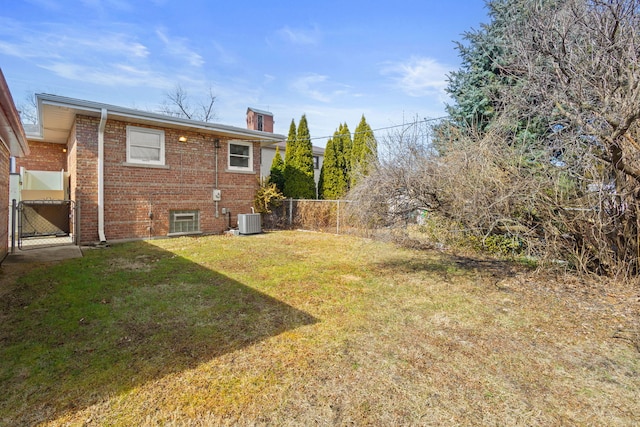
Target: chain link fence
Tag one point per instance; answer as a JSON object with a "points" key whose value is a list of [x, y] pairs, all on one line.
{"points": [[412, 229], [42, 223], [329, 216]]}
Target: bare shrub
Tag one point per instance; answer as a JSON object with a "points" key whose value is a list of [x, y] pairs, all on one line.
{"points": [[577, 61], [508, 199], [315, 215], [569, 196]]}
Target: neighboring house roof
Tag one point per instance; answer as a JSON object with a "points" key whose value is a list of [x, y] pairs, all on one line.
{"points": [[255, 110], [11, 130], [318, 151], [57, 115]]}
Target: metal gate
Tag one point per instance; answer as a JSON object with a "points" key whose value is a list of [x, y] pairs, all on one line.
{"points": [[45, 223]]}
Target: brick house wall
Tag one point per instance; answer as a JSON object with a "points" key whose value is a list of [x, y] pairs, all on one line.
{"points": [[83, 185], [43, 157], [4, 200], [138, 199], [13, 142]]}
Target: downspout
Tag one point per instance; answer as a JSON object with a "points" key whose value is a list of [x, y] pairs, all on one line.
{"points": [[217, 147], [103, 123]]}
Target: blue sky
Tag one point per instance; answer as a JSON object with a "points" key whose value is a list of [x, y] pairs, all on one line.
{"points": [[331, 60]]}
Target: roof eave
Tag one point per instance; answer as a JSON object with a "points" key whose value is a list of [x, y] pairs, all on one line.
{"points": [[11, 130], [129, 114]]}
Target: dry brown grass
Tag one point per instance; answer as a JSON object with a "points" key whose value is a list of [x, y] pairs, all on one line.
{"points": [[400, 337]]}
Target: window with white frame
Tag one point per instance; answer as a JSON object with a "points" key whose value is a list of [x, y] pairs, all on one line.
{"points": [[184, 222], [240, 156], [145, 146]]}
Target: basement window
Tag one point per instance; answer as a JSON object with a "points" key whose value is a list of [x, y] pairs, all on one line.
{"points": [[145, 146], [184, 222], [240, 156]]}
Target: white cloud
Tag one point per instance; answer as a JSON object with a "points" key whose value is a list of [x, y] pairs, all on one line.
{"points": [[223, 55], [113, 75], [318, 87], [56, 41], [300, 36], [418, 76], [116, 44], [178, 48], [10, 49], [308, 86]]}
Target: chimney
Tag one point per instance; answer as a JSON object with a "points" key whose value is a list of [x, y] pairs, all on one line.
{"points": [[259, 120]]}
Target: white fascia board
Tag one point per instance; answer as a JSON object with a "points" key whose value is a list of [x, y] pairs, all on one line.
{"points": [[132, 114]]}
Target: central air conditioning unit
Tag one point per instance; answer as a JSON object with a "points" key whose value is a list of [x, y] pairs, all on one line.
{"points": [[249, 223]]}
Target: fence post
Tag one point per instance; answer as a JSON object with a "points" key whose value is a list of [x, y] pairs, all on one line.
{"points": [[14, 209], [290, 211], [338, 218], [76, 222]]}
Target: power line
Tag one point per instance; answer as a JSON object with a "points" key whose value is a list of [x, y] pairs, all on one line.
{"points": [[414, 123], [425, 120]]}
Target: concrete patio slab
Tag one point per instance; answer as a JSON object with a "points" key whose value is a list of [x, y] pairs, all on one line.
{"points": [[37, 255]]}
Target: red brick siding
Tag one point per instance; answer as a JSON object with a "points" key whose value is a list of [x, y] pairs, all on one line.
{"points": [[43, 156], [4, 200], [138, 199], [85, 187]]}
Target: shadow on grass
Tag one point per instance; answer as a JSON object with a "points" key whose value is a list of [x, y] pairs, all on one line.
{"points": [[81, 331], [446, 265]]}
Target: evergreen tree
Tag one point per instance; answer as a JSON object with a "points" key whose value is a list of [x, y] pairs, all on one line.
{"points": [[333, 183], [364, 151], [347, 148], [473, 88], [484, 87], [291, 144], [304, 149], [299, 180], [289, 169], [276, 175], [304, 159]]}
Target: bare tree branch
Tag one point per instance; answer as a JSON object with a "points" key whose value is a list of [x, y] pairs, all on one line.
{"points": [[28, 109], [177, 104]]}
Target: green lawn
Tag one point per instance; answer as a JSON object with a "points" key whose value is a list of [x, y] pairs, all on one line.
{"points": [[300, 328]]}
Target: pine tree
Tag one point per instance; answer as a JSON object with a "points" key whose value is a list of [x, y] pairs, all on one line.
{"points": [[333, 184], [299, 181], [276, 175], [289, 154], [365, 151], [482, 87], [347, 148], [304, 149], [474, 87], [291, 144], [304, 159]]}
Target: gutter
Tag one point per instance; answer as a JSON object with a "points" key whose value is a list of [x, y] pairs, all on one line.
{"points": [[103, 123], [265, 138]]}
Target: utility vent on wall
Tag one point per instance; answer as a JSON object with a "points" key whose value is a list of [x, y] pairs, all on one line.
{"points": [[249, 223]]}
